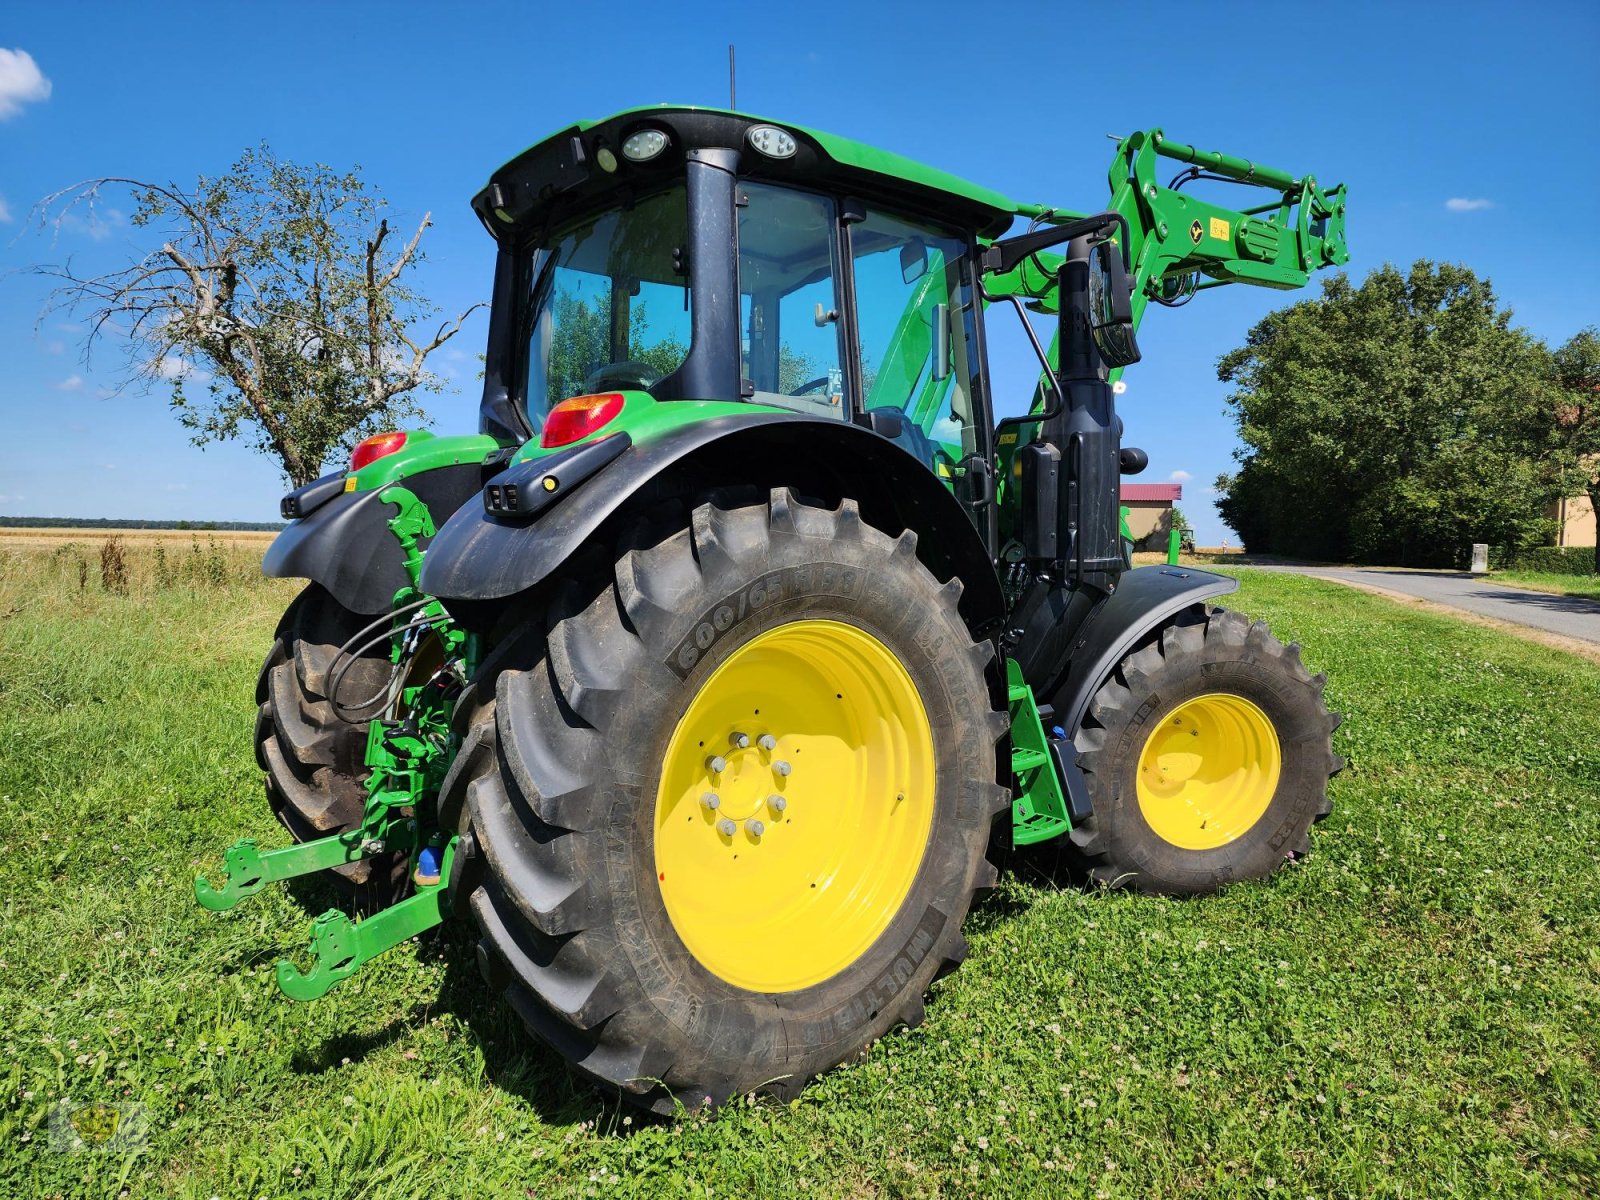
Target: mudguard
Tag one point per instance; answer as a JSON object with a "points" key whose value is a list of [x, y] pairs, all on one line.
{"points": [[1145, 597], [345, 545], [478, 557]]}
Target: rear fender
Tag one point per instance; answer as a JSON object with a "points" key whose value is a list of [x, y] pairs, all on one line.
{"points": [[479, 559], [1146, 597], [345, 544]]}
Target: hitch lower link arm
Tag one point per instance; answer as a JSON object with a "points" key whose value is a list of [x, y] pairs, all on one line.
{"points": [[339, 946]]}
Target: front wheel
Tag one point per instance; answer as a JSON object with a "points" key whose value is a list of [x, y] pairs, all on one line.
{"points": [[1207, 755], [732, 802]]}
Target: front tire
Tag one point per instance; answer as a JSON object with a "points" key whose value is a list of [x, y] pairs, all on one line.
{"points": [[1207, 755], [678, 951]]}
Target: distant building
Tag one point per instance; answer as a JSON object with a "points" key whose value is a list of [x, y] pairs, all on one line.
{"points": [[1149, 508], [1574, 521]]}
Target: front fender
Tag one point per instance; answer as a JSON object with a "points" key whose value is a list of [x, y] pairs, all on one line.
{"points": [[478, 557], [1145, 598]]}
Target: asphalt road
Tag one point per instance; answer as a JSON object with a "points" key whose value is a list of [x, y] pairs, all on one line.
{"points": [[1569, 616]]}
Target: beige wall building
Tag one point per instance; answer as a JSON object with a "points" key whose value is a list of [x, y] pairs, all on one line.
{"points": [[1575, 521], [1149, 508]]}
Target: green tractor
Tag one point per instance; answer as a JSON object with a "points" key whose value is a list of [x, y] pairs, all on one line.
{"points": [[707, 675]]}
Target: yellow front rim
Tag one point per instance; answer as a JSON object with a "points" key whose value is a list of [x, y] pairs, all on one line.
{"points": [[794, 806], [1208, 771]]}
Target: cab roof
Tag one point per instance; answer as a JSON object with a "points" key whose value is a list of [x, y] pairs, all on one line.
{"points": [[565, 170]]}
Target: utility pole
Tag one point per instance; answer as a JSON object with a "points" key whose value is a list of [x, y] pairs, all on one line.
{"points": [[733, 100]]}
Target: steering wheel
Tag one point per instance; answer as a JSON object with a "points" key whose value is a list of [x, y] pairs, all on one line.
{"points": [[821, 381], [628, 374]]}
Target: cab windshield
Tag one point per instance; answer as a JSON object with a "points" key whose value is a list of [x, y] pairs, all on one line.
{"points": [[608, 303]]}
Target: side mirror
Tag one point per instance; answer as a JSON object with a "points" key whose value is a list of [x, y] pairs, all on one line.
{"points": [[1111, 307], [913, 260]]}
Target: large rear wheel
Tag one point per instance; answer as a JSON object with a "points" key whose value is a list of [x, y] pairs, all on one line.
{"points": [[315, 759], [731, 802], [1207, 756]]}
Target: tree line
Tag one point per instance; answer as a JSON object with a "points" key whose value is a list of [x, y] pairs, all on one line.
{"points": [[1404, 419]]}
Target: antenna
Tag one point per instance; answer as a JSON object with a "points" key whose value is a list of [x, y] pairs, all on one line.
{"points": [[733, 101]]}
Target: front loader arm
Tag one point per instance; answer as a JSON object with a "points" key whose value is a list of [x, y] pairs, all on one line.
{"points": [[1178, 238], [1180, 243]]}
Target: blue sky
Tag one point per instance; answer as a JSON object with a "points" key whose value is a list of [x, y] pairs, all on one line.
{"points": [[1467, 132]]}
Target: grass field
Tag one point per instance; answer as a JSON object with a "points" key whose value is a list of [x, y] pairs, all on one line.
{"points": [[1413, 1011], [1548, 581]]}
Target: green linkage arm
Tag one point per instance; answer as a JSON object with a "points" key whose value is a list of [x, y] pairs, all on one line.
{"points": [[1175, 236]]}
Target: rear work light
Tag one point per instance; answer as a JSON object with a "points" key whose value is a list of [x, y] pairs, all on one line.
{"points": [[379, 445], [578, 418]]}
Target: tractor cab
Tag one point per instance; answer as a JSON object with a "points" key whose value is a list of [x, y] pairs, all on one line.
{"points": [[700, 255]]}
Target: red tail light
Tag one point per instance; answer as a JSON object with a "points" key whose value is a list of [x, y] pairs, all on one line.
{"points": [[578, 418], [379, 445]]}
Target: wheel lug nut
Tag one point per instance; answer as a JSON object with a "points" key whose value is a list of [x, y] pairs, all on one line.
{"points": [[767, 742], [777, 803], [740, 740], [726, 827], [781, 767], [710, 801], [754, 827], [716, 764]]}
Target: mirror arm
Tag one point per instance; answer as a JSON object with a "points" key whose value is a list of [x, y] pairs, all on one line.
{"points": [[1003, 256]]}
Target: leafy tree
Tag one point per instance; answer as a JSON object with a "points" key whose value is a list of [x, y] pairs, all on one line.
{"points": [[795, 369], [1574, 432], [580, 342], [1387, 422], [279, 291]]}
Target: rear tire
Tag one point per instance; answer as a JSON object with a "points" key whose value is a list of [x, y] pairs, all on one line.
{"points": [[315, 760], [576, 795], [1207, 755]]}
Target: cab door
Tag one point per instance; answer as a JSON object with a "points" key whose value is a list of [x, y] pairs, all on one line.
{"points": [[917, 339]]}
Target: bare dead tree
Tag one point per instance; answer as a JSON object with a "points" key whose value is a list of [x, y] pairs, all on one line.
{"points": [[278, 289]]}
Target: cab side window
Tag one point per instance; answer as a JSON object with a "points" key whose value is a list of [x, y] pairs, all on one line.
{"points": [[790, 345], [917, 327]]}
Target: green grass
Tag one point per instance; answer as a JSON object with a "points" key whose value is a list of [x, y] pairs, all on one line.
{"points": [[1549, 581], [1415, 1010]]}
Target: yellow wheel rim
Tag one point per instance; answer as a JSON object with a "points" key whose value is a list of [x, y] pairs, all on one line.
{"points": [[815, 749], [1208, 771]]}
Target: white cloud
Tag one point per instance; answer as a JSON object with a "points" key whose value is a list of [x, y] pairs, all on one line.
{"points": [[1180, 477], [70, 384], [21, 82], [55, 347], [97, 225], [173, 367], [5, 212], [1463, 204]]}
